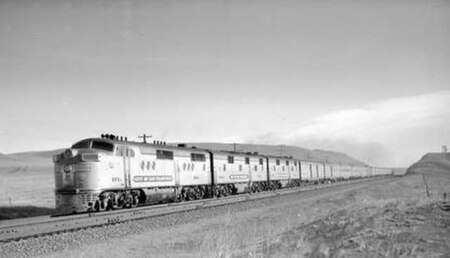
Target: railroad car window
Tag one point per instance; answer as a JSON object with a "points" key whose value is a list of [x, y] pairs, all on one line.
{"points": [[193, 166], [230, 159], [261, 161], [295, 163], [81, 145], [282, 168], [142, 165], [278, 162], [247, 160], [153, 165], [102, 146], [224, 167], [204, 167], [162, 154], [148, 165], [198, 157], [240, 167], [256, 167], [287, 162]]}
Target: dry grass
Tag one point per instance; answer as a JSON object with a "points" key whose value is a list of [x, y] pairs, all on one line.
{"points": [[380, 221], [24, 186]]}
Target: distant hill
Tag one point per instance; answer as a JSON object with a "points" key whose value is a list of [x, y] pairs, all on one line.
{"points": [[432, 163], [23, 161], [35, 154], [285, 150]]}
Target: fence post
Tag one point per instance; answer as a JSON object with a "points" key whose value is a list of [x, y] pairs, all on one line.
{"points": [[426, 186]]}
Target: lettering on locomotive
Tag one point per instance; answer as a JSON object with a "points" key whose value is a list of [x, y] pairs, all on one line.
{"points": [[238, 176], [152, 178]]}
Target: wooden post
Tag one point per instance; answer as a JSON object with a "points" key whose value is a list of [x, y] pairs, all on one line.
{"points": [[426, 186]]}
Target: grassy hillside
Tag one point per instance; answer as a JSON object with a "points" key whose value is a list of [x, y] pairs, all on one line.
{"points": [[432, 163]]}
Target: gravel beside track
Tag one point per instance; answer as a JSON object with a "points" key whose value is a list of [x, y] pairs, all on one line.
{"points": [[46, 244]]}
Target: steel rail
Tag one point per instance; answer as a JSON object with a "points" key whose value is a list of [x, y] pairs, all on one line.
{"points": [[16, 229]]}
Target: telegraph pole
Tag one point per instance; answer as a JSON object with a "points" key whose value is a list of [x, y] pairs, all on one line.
{"points": [[144, 137]]}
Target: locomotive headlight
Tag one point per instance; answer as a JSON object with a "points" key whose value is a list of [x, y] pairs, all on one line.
{"points": [[68, 168]]}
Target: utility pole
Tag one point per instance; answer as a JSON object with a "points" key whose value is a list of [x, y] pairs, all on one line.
{"points": [[144, 137]]}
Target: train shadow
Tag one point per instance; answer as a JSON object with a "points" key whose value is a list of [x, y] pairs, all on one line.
{"points": [[16, 212]]}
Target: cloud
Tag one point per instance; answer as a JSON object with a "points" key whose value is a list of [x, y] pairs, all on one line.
{"points": [[392, 132]]}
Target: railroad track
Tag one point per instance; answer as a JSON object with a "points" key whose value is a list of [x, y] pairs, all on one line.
{"points": [[13, 230]]}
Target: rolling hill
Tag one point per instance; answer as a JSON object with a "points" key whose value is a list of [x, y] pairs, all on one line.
{"points": [[284, 150], [432, 163]]}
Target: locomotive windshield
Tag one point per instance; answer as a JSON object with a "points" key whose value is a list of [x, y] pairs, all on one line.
{"points": [[106, 146], [82, 145], [99, 145]]}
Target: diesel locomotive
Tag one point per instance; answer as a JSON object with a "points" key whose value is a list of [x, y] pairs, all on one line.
{"points": [[111, 172]]}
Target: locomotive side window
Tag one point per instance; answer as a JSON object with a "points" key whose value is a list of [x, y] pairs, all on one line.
{"points": [[261, 161], [82, 145], [198, 157], [247, 160], [162, 154], [287, 162], [278, 162], [230, 159], [99, 145]]}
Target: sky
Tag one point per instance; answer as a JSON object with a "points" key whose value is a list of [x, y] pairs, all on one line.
{"points": [[369, 78]]}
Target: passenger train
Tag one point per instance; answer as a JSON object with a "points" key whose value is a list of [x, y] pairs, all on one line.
{"points": [[110, 172]]}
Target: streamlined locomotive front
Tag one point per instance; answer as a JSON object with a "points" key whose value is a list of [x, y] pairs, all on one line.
{"points": [[80, 175]]}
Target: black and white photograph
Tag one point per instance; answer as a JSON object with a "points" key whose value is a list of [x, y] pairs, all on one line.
{"points": [[224, 128]]}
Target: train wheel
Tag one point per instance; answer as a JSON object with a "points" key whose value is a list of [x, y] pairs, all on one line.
{"points": [[135, 201]]}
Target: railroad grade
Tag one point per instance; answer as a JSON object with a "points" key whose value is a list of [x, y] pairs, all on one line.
{"points": [[14, 230]]}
